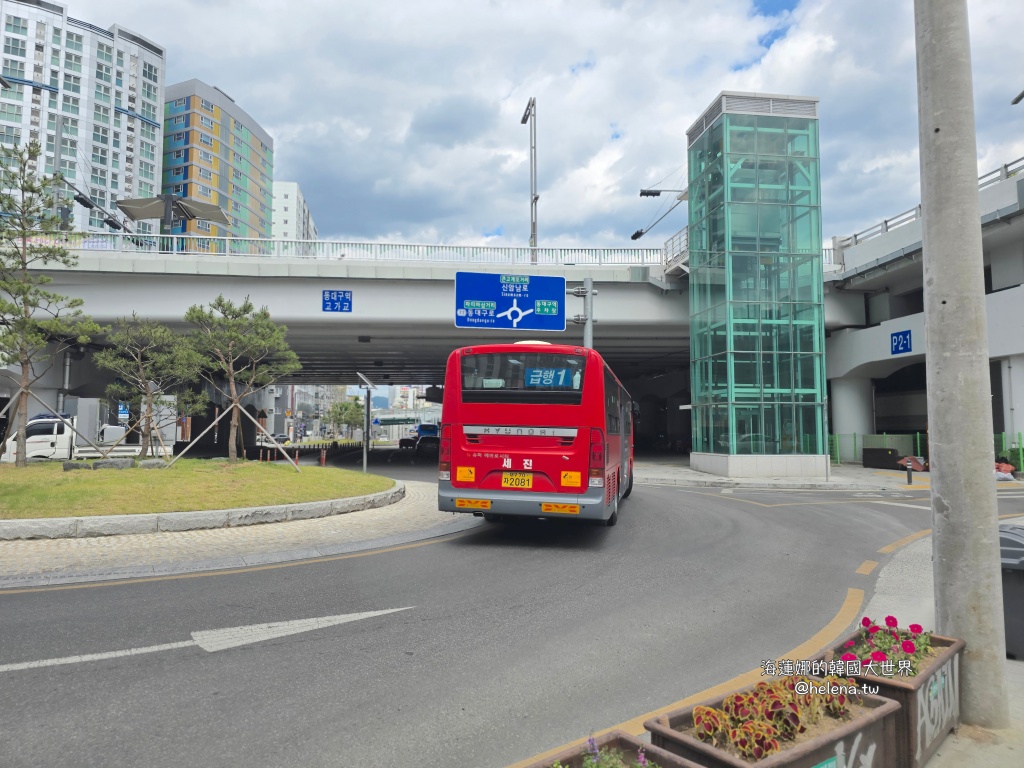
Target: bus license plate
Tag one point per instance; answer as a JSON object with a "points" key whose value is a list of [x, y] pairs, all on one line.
{"points": [[516, 480]]}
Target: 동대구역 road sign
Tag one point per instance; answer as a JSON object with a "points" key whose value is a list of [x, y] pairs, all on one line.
{"points": [[509, 302]]}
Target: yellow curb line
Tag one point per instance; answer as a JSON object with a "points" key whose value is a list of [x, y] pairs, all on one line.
{"points": [[847, 614], [867, 567], [889, 549]]}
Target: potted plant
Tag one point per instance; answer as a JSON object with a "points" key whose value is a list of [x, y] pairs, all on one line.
{"points": [[793, 721], [615, 749], [918, 669]]}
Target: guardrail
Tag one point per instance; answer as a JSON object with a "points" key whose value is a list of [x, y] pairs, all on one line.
{"points": [[676, 250], [992, 177], [191, 245]]}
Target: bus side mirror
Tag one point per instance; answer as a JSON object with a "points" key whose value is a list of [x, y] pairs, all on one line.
{"points": [[636, 413], [434, 395]]}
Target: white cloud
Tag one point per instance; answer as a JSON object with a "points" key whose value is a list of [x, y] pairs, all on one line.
{"points": [[401, 120]]}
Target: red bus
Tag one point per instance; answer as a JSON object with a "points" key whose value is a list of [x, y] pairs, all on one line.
{"points": [[534, 429]]}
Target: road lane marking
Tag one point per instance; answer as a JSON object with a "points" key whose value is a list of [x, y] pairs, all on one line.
{"points": [[213, 640], [847, 614], [867, 567], [901, 504]]}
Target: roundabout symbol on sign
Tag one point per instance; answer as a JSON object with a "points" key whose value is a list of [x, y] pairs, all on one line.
{"points": [[515, 314]]}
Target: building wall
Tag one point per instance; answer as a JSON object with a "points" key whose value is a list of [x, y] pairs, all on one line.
{"points": [[100, 89], [216, 153], [291, 215]]}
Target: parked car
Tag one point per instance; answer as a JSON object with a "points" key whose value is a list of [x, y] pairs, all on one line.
{"points": [[281, 438]]}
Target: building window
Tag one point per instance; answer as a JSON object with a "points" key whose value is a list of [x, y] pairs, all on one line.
{"points": [[73, 41], [105, 52], [204, 191], [100, 134], [70, 105], [99, 156], [145, 189], [178, 189], [206, 122], [10, 112], [149, 91], [147, 150], [72, 83], [103, 93], [204, 139], [14, 68], [236, 174], [147, 131], [179, 120], [70, 125], [207, 105], [16, 92], [99, 176], [120, 58], [148, 110], [147, 170], [202, 226], [14, 47], [67, 169], [150, 72], [104, 73], [178, 154], [73, 62], [179, 136], [206, 174], [17, 25], [181, 102], [101, 114], [205, 156], [10, 135]]}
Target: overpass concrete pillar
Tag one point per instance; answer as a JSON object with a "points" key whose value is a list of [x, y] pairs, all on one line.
{"points": [[852, 406], [1013, 394]]}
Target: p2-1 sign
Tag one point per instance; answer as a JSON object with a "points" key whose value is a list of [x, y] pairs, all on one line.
{"points": [[900, 343]]}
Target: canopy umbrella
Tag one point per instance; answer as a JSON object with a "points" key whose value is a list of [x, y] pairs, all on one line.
{"points": [[167, 208]]}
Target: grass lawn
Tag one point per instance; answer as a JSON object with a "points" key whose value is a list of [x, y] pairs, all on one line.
{"points": [[46, 490]]}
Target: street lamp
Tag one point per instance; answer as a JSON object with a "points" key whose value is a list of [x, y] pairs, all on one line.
{"points": [[531, 115]]}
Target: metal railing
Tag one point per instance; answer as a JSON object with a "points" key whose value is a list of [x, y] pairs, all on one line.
{"points": [[169, 245], [992, 177], [850, 447], [676, 250]]}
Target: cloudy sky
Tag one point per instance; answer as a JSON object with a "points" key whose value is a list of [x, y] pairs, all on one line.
{"points": [[400, 119]]}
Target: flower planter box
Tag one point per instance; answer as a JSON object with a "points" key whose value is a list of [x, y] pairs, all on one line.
{"points": [[929, 701], [866, 741], [622, 741]]}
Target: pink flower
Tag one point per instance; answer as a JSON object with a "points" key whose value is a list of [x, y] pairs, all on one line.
{"points": [[849, 657], [917, 629], [849, 644], [908, 646], [896, 635], [866, 622], [874, 628], [890, 621], [878, 656]]}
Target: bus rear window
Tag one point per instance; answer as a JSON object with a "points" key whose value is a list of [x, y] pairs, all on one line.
{"points": [[523, 377]]}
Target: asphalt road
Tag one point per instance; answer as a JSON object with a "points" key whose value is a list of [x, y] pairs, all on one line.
{"points": [[519, 638]]}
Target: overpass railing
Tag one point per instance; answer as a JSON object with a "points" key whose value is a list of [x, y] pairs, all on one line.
{"points": [[169, 245], [992, 177]]}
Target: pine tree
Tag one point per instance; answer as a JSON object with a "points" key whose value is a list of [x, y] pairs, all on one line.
{"points": [[150, 360], [244, 351], [36, 325]]}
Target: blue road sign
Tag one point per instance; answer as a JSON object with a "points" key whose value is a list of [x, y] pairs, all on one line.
{"points": [[376, 422], [509, 302], [900, 343], [337, 301]]}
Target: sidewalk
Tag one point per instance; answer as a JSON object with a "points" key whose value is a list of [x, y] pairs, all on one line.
{"points": [[905, 590]]}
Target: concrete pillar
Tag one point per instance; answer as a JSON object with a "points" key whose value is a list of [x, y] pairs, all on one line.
{"points": [[1013, 394], [852, 406], [965, 539]]}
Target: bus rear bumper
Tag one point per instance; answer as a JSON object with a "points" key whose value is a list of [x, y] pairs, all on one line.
{"points": [[584, 506]]}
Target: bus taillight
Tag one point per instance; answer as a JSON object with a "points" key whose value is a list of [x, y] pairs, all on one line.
{"points": [[444, 459], [596, 459]]}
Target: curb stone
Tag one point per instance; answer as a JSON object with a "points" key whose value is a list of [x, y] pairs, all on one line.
{"points": [[112, 525]]}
